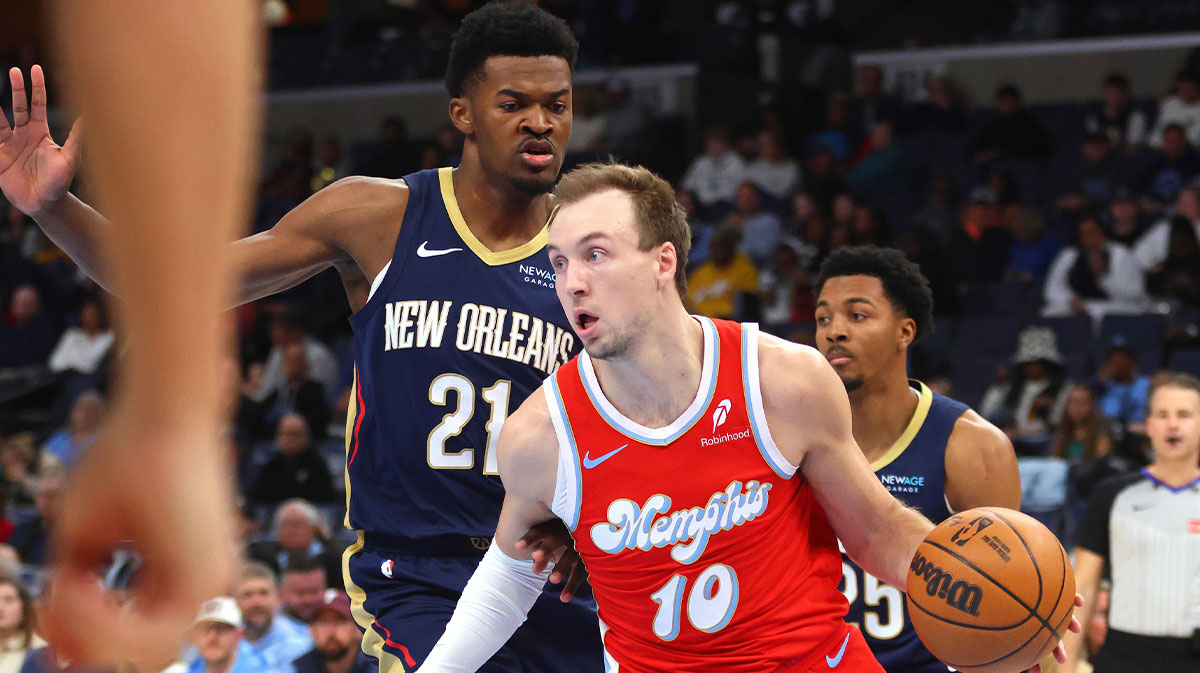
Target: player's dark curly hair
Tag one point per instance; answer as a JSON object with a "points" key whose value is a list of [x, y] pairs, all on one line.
{"points": [[903, 283], [505, 28]]}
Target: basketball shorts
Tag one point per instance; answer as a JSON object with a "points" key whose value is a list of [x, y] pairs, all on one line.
{"points": [[845, 654], [402, 601]]}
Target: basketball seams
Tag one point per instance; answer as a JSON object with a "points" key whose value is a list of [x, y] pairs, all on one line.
{"points": [[1026, 649], [1032, 557], [1032, 611]]}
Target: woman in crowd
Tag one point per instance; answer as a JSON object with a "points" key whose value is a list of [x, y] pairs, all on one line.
{"points": [[16, 625]]}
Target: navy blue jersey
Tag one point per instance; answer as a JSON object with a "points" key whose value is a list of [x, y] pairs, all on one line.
{"points": [[914, 471], [453, 338]]}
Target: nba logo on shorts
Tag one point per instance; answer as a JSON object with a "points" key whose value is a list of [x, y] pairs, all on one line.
{"points": [[386, 568], [720, 413]]}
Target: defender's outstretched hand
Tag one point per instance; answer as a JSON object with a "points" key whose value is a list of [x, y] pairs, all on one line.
{"points": [[35, 172], [551, 542]]}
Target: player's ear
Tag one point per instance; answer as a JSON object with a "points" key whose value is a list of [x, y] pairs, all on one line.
{"points": [[460, 115], [668, 261], [907, 332]]}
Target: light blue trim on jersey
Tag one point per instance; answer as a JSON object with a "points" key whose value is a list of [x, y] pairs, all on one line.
{"points": [[566, 443], [751, 386], [664, 435]]}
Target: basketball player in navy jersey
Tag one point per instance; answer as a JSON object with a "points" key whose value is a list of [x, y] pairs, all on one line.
{"points": [[455, 321], [931, 452]]}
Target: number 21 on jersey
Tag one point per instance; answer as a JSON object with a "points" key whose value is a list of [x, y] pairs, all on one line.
{"points": [[453, 422]]}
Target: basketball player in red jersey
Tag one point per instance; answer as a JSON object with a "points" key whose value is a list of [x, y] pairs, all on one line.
{"points": [[689, 457]]}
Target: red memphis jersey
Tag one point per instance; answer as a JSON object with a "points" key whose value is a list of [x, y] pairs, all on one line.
{"points": [[705, 554]]}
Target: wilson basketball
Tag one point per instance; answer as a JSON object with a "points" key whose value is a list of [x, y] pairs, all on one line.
{"points": [[990, 590]]}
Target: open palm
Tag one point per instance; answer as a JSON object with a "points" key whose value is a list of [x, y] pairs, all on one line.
{"points": [[34, 170]]}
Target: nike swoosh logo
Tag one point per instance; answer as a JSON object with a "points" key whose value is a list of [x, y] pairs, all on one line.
{"points": [[422, 251], [834, 661], [589, 462]]}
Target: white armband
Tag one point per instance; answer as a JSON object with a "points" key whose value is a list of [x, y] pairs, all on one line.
{"points": [[495, 602]]}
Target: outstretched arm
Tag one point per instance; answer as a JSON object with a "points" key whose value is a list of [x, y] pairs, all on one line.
{"points": [[161, 81], [504, 587], [35, 174]]}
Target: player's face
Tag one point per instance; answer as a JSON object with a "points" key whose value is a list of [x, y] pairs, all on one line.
{"points": [[606, 285], [1173, 425], [519, 116], [858, 330]]}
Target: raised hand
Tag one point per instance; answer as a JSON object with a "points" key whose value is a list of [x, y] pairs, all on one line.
{"points": [[35, 172]]}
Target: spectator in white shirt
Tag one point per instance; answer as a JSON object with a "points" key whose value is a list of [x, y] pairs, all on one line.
{"points": [[774, 171], [287, 329], [1183, 108], [715, 175], [82, 348], [1095, 277], [761, 229], [1151, 249]]}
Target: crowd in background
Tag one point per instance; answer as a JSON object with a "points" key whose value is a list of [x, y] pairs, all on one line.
{"points": [[1061, 242]]}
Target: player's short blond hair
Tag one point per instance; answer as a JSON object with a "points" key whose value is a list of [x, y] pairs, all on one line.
{"points": [[659, 218]]}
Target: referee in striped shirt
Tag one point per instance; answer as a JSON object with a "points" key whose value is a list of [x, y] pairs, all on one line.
{"points": [[1146, 527]]}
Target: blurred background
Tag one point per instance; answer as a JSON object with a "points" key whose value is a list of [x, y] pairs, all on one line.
{"points": [[1037, 158]]}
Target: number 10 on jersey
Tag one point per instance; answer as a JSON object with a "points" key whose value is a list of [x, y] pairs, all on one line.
{"points": [[710, 603]]}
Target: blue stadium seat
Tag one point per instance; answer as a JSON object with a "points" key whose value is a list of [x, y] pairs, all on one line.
{"points": [[992, 336], [973, 374], [1186, 360], [998, 300], [1143, 332], [1074, 333]]}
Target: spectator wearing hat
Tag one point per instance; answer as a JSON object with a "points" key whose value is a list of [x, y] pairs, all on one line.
{"points": [[1033, 394], [277, 640], [217, 636], [336, 638], [1122, 392], [1094, 277], [981, 248]]}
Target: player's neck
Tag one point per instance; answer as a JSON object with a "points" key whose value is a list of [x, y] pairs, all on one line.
{"points": [[881, 409], [655, 382], [499, 216], [1175, 473]]}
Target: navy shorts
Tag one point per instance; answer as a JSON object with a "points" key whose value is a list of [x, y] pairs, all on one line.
{"points": [[403, 601]]}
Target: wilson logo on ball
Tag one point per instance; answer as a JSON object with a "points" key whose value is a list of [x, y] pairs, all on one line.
{"points": [[958, 594]]}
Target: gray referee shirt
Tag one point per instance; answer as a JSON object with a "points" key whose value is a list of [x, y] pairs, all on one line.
{"points": [[1150, 535]]}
